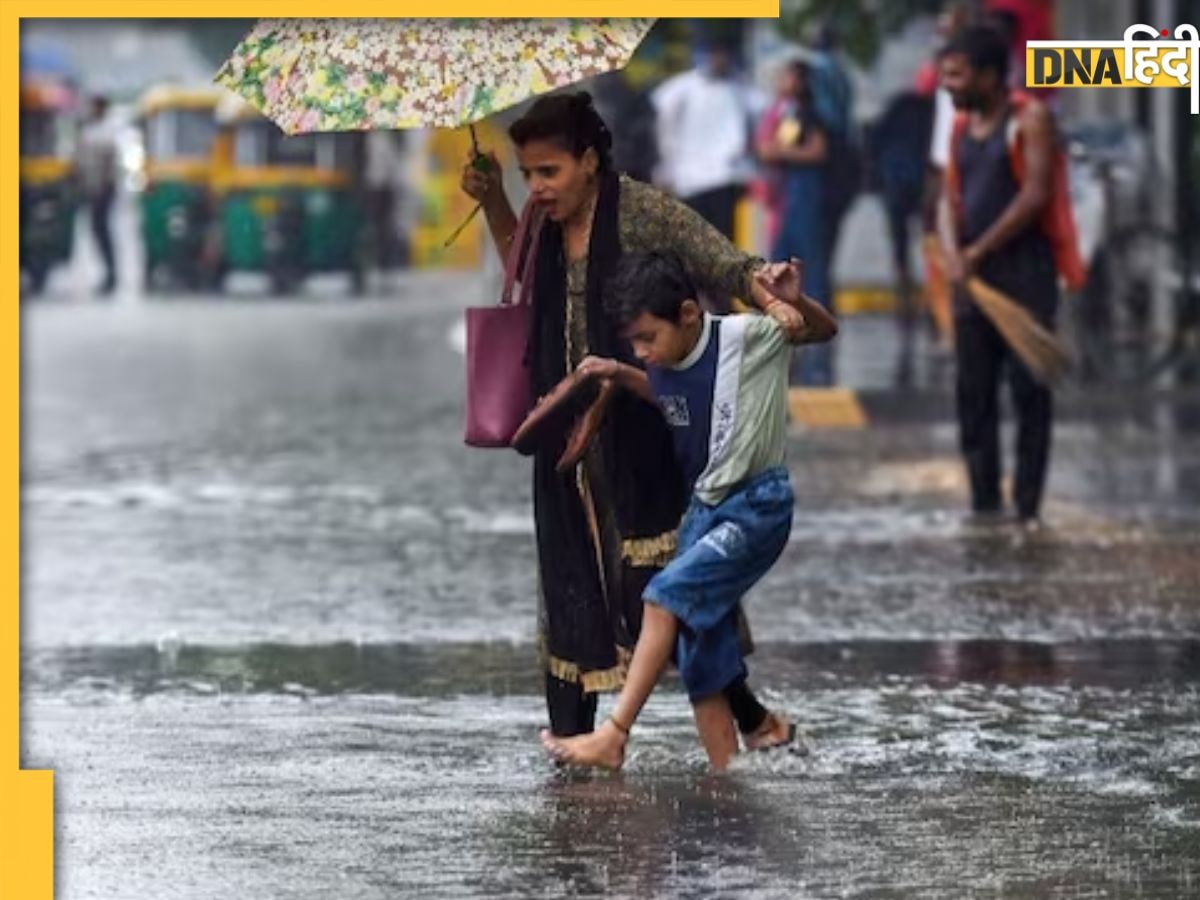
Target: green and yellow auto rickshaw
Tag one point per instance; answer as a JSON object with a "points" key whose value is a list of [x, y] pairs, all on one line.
{"points": [[287, 206], [178, 129], [48, 193]]}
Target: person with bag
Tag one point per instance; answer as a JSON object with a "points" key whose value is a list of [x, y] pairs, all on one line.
{"points": [[605, 526], [1004, 216]]}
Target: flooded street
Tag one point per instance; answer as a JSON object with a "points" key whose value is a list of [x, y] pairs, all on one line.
{"points": [[278, 638]]}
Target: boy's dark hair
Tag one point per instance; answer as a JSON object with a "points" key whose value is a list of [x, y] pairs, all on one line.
{"points": [[569, 120], [654, 283], [984, 47]]}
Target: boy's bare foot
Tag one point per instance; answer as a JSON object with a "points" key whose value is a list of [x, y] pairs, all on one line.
{"points": [[775, 731], [604, 748]]}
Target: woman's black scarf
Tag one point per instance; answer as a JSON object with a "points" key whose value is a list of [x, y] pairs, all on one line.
{"points": [[642, 488]]}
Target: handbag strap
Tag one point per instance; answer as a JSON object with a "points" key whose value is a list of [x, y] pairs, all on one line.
{"points": [[520, 267]]}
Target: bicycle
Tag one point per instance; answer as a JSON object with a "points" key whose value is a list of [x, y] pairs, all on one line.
{"points": [[1137, 322]]}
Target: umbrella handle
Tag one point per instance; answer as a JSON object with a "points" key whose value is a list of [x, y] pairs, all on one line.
{"points": [[454, 235], [479, 162], [482, 164]]}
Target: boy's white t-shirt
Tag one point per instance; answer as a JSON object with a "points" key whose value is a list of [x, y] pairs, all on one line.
{"points": [[726, 403]]}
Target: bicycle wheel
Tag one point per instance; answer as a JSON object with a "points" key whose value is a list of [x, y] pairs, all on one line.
{"points": [[1127, 317]]}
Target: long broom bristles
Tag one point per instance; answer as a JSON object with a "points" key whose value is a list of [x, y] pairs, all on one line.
{"points": [[1041, 351]]}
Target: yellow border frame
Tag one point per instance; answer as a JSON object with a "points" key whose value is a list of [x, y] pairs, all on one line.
{"points": [[27, 797], [222, 9]]}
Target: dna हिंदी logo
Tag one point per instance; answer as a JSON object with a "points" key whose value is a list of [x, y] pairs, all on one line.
{"points": [[1147, 57]]}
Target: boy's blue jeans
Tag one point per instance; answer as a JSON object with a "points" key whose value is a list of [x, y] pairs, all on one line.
{"points": [[723, 551]]}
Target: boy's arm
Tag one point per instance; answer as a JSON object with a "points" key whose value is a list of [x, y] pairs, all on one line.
{"points": [[485, 183], [777, 292], [623, 375]]}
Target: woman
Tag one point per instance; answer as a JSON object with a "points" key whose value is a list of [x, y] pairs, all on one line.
{"points": [[606, 527], [792, 141]]}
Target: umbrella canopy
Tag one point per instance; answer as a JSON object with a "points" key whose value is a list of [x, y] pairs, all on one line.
{"points": [[359, 74]]}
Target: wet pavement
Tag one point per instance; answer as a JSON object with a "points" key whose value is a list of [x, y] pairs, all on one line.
{"points": [[278, 628]]}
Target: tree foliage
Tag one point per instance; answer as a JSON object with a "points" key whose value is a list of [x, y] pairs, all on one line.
{"points": [[861, 25]]}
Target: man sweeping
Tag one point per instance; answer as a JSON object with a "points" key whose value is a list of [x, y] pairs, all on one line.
{"points": [[1004, 221]]}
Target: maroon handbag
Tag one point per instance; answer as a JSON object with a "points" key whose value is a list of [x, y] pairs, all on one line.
{"points": [[498, 389]]}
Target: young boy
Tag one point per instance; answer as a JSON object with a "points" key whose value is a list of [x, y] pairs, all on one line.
{"points": [[721, 382]]}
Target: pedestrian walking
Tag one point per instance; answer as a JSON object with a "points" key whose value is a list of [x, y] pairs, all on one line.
{"points": [[384, 173], [833, 101], [899, 145], [938, 291], [794, 143], [97, 165], [705, 119]]}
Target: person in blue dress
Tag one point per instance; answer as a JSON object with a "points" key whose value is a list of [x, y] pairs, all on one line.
{"points": [[794, 142]]}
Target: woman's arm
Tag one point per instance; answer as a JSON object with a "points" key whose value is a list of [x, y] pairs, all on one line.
{"points": [[779, 293], [656, 222], [485, 184], [664, 224], [502, 223]]}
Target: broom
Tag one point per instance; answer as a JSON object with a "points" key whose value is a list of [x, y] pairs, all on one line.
{"points": [[1041, 351]]}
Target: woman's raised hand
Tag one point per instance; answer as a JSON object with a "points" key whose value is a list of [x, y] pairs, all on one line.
{"points": [[481, 178]]}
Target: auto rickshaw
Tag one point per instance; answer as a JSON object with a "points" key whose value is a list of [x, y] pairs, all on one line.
{"points": [[287, 206], [48, 193], [178, 129]]}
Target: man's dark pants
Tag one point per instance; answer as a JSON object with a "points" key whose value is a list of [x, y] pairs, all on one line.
{"points": [[983, 357], [100, 213]]}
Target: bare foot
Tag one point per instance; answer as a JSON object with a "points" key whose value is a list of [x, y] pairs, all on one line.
{"points": [[604, 748], [775, 731]]}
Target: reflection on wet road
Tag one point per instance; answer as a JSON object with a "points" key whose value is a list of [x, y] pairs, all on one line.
{"points": [[278, 632]]}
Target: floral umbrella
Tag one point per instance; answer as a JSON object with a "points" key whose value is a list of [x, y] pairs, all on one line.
{"points": [[358, 74]]}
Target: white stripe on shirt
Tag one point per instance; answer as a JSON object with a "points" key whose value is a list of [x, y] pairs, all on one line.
{"points": [[725, 392]]}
